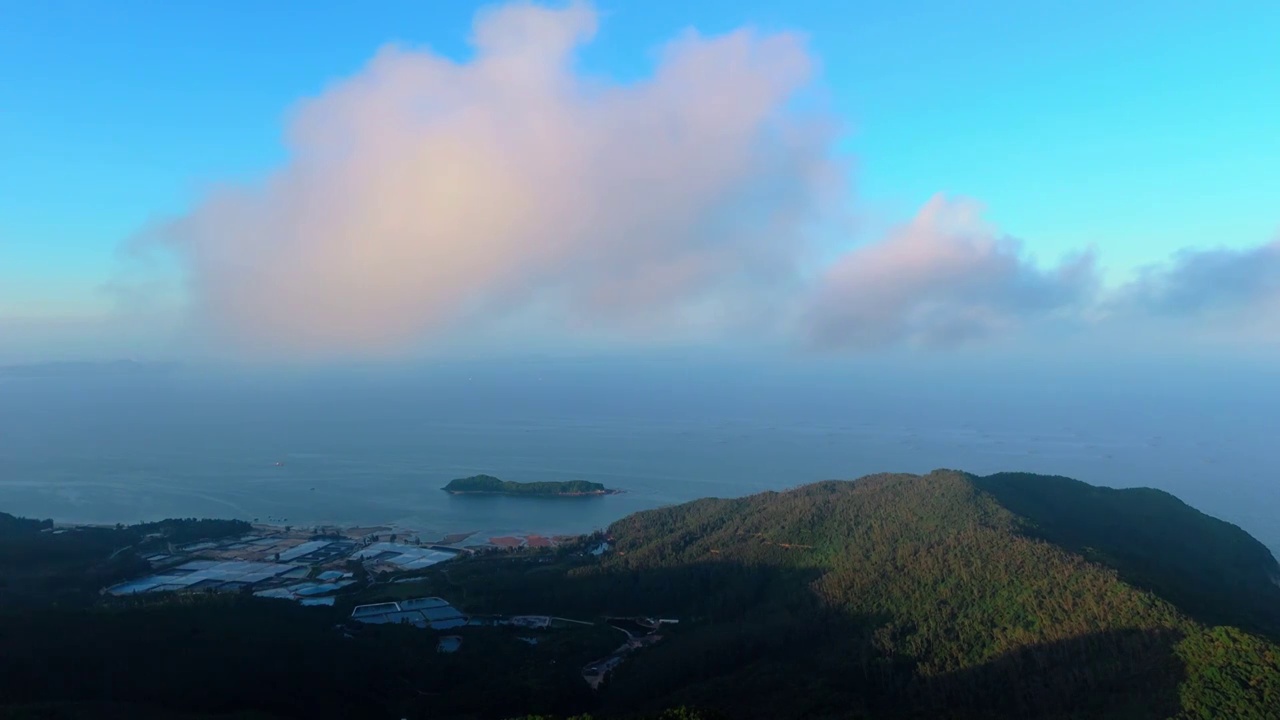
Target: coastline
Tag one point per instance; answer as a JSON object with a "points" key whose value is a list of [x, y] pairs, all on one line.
{"points": [[469, 539], [501, 538], [596, 493], [505, 538], [466, 540]]}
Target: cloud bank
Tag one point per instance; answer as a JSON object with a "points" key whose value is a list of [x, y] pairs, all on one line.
{"points": [[1200, 282], [947, 278], [426, 196], [1206, 298], [944, 278], [428, 201]]}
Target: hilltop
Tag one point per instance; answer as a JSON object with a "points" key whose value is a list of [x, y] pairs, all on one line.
{"points": [[945, 595]]}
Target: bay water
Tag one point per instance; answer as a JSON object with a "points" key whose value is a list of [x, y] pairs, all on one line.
{"points": [[375, 448]]}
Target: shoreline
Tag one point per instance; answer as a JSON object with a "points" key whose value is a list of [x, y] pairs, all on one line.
{"points": [[598, 493], [461, 540], [458, 539]]}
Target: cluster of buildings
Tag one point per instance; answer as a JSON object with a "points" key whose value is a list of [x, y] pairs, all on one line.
{"points": [[312, 569], [293, 565], [428, 612], [317, 591], [212, 575], [438, 614], [403, 557]]}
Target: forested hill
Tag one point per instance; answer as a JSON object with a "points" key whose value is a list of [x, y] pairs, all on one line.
{"points": [[950, 595], [1210, 569], [896, 597], [41, 566]]}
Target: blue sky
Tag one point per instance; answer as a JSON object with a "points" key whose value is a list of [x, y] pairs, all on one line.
{"points": [[1137, 128]]}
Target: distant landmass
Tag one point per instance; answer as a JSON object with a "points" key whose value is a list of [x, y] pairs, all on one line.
{"points": [[490, 485], [895, 597], [75, 368]]}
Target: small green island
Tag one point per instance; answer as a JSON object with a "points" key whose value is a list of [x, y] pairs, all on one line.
{"points": [[490, 485]]}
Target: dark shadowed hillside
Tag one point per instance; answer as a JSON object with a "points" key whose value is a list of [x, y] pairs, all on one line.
{"points": [[41, 566], [894, 596], [933, 599], [1210, 569]]}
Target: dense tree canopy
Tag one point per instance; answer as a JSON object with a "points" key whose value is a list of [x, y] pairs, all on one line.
{"points": [[491, 484], [895, 596], [41, 565]]}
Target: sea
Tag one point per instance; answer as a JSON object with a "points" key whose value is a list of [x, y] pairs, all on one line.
{"points": [[372, 447]]}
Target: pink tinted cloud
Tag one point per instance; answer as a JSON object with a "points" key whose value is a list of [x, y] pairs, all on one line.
{"points": [[944, 278], [425, 196]]}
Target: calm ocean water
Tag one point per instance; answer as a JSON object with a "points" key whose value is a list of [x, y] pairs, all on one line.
{"points": [[376, 450]]}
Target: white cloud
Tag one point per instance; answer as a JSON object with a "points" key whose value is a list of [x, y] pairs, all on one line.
{"points": [[425, 197], [944, 278]]}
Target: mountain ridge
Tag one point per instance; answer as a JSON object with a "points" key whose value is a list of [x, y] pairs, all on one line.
{"points": [[949, 579], [893, 596]]}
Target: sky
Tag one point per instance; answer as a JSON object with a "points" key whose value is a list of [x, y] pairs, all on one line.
{"points": [[277, 182]]}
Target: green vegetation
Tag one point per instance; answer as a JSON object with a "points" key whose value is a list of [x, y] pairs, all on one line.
{"points": [[678, 713], [218, 654], [1210, 569], [40, 565], [187, 530], [898, 596], [895, 596], [112, 711], [11, 526], [489, 484]]}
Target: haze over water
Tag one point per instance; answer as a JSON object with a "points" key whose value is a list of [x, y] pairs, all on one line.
{"points": [[375, 448], [931, 260]]}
